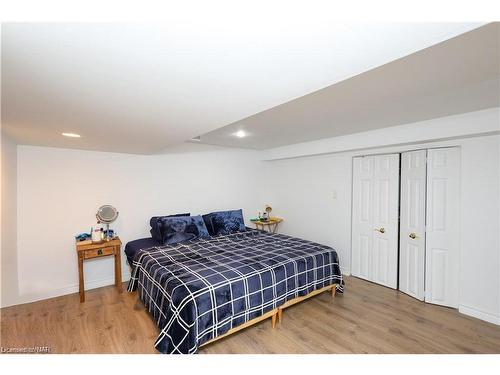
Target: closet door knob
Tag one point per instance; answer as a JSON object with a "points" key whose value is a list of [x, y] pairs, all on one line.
{"points": [[412, 236], [381, 230]]}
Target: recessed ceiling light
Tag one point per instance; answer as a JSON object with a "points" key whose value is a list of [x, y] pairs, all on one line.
{"points": [[196, 139], [71, 135], [240, 134]]}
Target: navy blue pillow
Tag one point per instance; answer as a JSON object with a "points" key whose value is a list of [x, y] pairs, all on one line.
{"points": [[155, 225], [180, 229], [224, 222], [207, 218]]}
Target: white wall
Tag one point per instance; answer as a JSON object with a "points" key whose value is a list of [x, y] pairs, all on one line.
{"points": [[59, 191], [302, 192], [8, 261], [302, 189], [480, 245]]}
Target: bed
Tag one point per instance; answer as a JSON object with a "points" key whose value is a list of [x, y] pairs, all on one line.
{"points": [[204, 289], [133, 247]]}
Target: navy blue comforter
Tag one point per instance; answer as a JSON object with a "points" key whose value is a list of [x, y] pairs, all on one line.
{"points": [[198, 290], [133, 247]]}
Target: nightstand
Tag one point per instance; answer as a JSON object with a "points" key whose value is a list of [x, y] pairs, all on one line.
{"points": [[271, 224], [99, 250]]}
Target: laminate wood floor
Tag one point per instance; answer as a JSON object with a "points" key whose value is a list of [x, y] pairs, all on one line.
{"points": [[368, 318]]}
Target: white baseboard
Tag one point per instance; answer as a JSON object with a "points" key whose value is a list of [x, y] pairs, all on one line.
{"points": [[483, 315], [62, 291]]}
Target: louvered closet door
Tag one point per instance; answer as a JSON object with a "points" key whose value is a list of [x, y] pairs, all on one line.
{"points": [[442, 240], [412, 224], [375, 218]]}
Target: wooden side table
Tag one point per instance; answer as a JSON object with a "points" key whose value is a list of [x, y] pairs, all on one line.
{"points": [[98, 250], [271, 224]]}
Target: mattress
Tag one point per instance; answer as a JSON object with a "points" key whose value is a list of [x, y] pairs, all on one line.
{"points": [[133, 247]]}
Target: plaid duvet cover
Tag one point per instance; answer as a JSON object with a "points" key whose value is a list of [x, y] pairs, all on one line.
{"points": [[200, 289]]}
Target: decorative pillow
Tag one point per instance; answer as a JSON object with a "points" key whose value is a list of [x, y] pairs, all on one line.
{"points": [[207, 218], [155, 225], [224, 222], [180, 229]]}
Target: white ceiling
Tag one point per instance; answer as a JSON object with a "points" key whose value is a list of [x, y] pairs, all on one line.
{"points": [[143, 88], [456, 76]]}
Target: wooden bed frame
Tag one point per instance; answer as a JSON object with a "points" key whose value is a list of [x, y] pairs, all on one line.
{"points": [[276, 315]]}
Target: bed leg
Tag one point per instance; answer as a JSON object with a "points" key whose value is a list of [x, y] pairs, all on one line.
{"points": [[334, 290], [273, 321], [280, 315]]}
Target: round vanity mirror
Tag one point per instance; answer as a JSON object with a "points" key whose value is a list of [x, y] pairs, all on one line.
{"points": [[106, 214]]}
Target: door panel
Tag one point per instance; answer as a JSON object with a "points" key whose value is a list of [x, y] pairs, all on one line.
{"points": [[412, 224], [442, 240], [385, 219], [362, 217], [366, 188], [375, 206], [381, 257], [365, 244], [438, 273]]}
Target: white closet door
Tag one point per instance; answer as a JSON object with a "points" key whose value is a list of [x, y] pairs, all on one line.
{"points": [[442, 240], [375, 218], [385, 220], [412, 224], [362, 218]]}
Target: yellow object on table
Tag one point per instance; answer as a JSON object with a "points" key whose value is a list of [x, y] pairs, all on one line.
{"points": [[271, 224]]}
